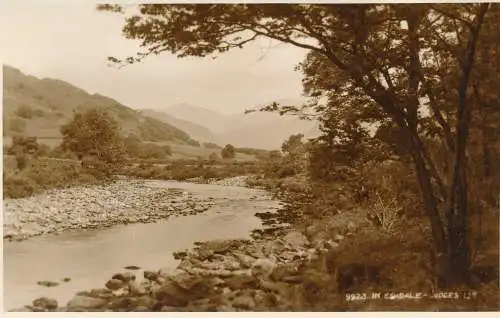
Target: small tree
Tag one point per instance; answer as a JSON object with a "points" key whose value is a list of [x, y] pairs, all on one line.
{"points": [[94, 133], [25, 111], [23, 148], [228, 152]]}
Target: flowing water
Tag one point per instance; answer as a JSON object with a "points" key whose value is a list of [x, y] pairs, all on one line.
{"points": [[91, 257]]}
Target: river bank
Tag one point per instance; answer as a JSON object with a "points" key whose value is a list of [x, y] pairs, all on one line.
{"points": [[261, 274], [96, 207]]}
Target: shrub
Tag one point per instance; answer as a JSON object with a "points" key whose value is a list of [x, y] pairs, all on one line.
{"points": [[18, 187], [21, 161], [228, 152], [25, 111]]}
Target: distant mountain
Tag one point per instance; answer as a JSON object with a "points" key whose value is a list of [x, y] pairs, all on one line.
{"points": [[214, 121], [196, 131], [257, 130], [39, 107]]}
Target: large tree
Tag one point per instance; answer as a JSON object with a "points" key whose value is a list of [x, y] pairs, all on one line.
{"points": [[407, 67], [94, 134]]}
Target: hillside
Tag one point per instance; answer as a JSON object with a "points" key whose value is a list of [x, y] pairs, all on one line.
{"points": [[39, 107]]}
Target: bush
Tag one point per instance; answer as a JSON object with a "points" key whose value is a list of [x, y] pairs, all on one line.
{"points": [[25, 111], [18, 187], [21, 161], [228, 152]]}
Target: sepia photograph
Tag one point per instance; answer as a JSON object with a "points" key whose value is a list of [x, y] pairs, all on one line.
{"points": [[250, 156]]}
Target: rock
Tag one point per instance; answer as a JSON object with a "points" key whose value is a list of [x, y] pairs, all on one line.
{"points": [[284, 270], [246, 261], [100, 293], [47, 283], [204, 254], [289, 256], [151, 275], [124, 277], [66, 279], [351, 227], [85, 302], [132, 267], [263, 266], [171, 294], [331, 244], [216, 281], [45, 303], [180, 255], [241, 281], [244, 302], [221, 246], [295, 239], [114, 284], [338, 237], [135, 288]]}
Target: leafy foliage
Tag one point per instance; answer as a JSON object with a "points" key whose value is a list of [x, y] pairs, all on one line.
{"points": [[228, 152], [94, 134]]}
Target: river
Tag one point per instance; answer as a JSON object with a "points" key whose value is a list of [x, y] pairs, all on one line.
{"points": [[91, 257]]}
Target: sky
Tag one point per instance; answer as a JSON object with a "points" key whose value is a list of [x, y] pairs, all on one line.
{"points": [[71, 42]]}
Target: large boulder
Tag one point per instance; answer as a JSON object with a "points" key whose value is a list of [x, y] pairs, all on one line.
{"points": [[179, 290], [85, 302], [296, 239], [45, 303]]}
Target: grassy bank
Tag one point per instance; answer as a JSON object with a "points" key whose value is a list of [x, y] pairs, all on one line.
{"points": [[186, 169], [42, 174]]}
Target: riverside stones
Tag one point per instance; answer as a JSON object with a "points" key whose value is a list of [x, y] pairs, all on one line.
{"points": [[124, 277], [85, 302], [85, 207], [114, 284], [45, 303]]}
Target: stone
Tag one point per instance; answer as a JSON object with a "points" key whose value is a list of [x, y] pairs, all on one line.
{"points": [[351, 227], [135, 288], [337, 237], [132, 267], [114, 284], [45, 303], [263, 266], [124, 277], [48, 283], [331, 244], [204, 254], [241, 281], [85, 302], [295, 239], [244, 302], [221, 246], [246, 261], [179, 255], [284, 270], [151, 275]]}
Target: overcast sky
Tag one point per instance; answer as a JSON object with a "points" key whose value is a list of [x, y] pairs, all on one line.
{"points": [[72, 41]]}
